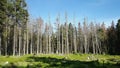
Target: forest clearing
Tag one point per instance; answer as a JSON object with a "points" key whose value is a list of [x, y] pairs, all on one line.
{"points": [[33, 36], [61, 61]]}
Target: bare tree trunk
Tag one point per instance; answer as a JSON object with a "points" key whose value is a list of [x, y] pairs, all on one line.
{"points": [[96, 41], [52, 49], [8, 38], [41, 43], [59, 39], [62, 42], [24, 43], [75, 46], [16, 41], [99, 50], [38, 37], [49, 44], [93, 46], [31, 45], [85, 36], [46, 38], [14, 38], [0, 44], [27, 40], [81, 44], [6, 41], [67, 43], [85, 44], [58, 36], [58, 45], [20, 41]]}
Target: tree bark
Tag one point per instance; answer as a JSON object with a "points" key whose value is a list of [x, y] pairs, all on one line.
{"points": [[31, 45], [27, 40], [14, 38], [38, 37], [24, 43], [19, 41], [75, 46], [0, 44]]}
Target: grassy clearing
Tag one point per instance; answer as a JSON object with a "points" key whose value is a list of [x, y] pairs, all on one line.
{"points": [[61, 61]]}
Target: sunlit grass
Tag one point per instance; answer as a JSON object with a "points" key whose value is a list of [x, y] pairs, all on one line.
{"points": [[60, 60]]}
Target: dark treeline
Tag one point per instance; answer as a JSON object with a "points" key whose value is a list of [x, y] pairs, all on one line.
{"points": [[20, 36]]}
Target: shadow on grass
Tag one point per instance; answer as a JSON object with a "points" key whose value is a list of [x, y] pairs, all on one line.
{"points": [[65, 63]]}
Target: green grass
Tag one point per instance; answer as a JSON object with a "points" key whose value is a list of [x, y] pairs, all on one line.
{"points": [[61, 61]]}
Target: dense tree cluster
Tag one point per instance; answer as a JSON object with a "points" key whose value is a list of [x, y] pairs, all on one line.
{"points": [[18, 36], [13, 16]]}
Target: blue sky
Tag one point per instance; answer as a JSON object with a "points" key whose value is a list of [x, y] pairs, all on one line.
{"points": [[93, 10]]}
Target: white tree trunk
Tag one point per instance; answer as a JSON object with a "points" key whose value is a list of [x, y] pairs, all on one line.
{"points": [[75, 46], [31, 45], [24, 43], [41, 43], [85, 43], [20, 41], [27, 40], [38, 37]]}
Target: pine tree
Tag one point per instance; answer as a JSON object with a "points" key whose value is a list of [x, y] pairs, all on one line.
{"points": [[118, 37], [111, 32]]}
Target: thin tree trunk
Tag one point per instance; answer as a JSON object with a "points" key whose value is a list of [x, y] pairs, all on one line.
{"points": [[49, 44], [38, 39], [41, 43], [31, 48], [6, 42], [93, 47], [58, 35], [0, 44], [14, 38], [81, 45], [24, 43], [96, 40], [19, 41], [16, 41], [27, 40], [85, 44], [46, 44], [62, 42], [59, 39], [75, 46], [67, 42]]}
